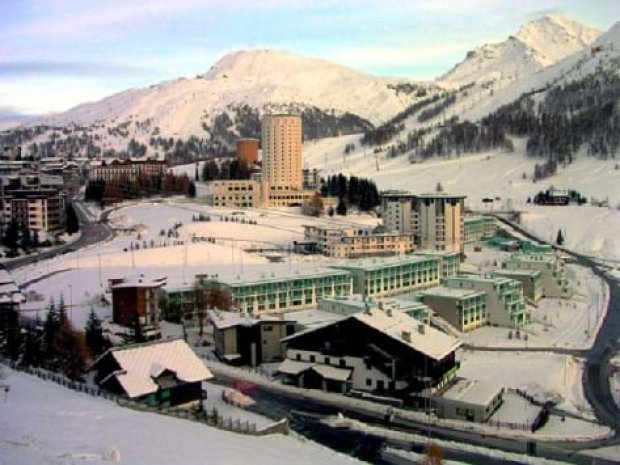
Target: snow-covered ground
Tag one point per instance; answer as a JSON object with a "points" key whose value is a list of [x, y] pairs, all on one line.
{"points": [[81, 277], [538, 373], [556, 323], [42, 423]]}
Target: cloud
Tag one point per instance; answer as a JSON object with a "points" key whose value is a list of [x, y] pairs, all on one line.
{"points": [[81, 69]]}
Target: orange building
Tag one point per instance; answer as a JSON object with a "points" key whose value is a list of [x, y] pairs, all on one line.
{"points": [[247, 151]]}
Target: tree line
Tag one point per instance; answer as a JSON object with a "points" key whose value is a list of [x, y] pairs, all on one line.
{"points": [[53, 344], [360, 192]]}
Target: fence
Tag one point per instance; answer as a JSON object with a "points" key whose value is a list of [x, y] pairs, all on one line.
{"points": [[197, 414]]}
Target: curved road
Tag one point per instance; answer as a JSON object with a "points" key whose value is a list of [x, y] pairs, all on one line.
{"points": [[596, 374], [92, 232]]}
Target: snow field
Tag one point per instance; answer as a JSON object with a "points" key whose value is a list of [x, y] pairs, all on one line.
{"points": [[42, 423]]}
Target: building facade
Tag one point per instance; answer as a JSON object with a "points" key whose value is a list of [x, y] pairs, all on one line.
{"points": [[118, 171], [469, 400], [464, 309], [241, 339], [391, 354], [36, 208], [479, 228], [356, 242], [236, 193], [505, 303], [281, 149], [285, 292], [382, 277], [530, 279], [247, 152], [434, 220], [552, 270], [136, 301]]}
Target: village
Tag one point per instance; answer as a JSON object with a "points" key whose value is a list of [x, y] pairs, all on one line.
{"points": [[421, 310]]}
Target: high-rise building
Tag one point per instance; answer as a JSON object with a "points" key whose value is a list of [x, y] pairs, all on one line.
{"points": [[281, 146], [435, 220]]}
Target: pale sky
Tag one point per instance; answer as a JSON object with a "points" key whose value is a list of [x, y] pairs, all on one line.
{"points": [[55, 54]]}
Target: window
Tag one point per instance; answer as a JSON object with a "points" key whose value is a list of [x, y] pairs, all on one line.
{"points": [[313, 358], [327, 360], [298, 356], [342, 363], [368, 382]]}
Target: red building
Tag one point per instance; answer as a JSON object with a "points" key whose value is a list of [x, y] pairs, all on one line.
{"points": [[137, 299]]}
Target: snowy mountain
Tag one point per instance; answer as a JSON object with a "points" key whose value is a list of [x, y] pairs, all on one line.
{"points": [[259, 79], [538, 44]]}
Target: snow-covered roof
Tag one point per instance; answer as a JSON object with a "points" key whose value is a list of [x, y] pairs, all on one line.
{"points": [[223, 320], [472, 392], [335, 373], [263, 277], [455, 293], [401, 327], [384, 262], [411, 332], [294, 367], [141, 363]]}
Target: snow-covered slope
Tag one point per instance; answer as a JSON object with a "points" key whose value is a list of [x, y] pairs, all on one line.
{"points": [[537, 44], [507, 176], [257, 78]]}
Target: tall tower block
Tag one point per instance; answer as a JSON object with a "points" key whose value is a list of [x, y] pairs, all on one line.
{"points": [[281, 146]]}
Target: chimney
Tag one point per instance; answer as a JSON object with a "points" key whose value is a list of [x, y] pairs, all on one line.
{"points": [[421, 328], [406, 336], [389, 312]]}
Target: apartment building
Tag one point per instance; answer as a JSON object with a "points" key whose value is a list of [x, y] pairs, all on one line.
{"points": [[450, 262], [552, 271], [382, 277], [26, 201], [348, 305], [434, 220], [235, 193], [464, 309], [117, 170], [281, 149], [505, 303], [479, 228], [356, 242], [283, 292], [530, 279]]}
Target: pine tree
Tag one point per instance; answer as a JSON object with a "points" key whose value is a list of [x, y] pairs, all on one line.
{"points": [[560, 238], [191, 190], [73, 225], [50, 333], [341, 208], [11, 236], [32, 351], [93, 332], [10, 333]]}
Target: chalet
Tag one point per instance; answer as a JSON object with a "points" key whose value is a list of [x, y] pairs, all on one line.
{"points": [[378, 351], [242, 339], [160, 373]]}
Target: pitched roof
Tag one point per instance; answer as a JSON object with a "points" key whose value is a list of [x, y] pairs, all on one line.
{"points": [[401, 327], [411, 332], [141, 363]]}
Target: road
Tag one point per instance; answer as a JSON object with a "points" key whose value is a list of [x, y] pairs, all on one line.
{"points": [[92, 233], [595, 380]]}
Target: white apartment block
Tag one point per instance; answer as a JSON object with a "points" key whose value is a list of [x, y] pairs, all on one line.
{"points": [[434, 220], [356, 242]]}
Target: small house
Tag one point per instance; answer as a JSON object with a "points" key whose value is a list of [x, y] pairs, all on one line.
{"points": [[159, 373]]}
